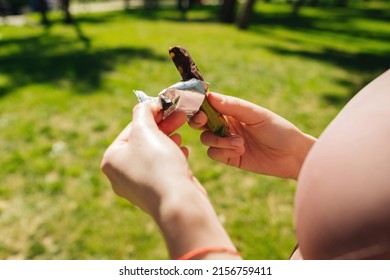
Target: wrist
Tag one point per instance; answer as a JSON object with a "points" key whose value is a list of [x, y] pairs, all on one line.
{"points": [[188, 222]]}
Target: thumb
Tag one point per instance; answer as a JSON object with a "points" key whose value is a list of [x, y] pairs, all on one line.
{"points": [[147, 114], [237, 108]]}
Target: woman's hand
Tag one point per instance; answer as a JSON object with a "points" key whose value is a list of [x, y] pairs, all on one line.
{"points": [[146, 166], [143, 160], [261, 141]]}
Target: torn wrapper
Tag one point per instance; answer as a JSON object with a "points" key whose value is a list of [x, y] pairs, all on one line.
{"points": [[185, 96]]}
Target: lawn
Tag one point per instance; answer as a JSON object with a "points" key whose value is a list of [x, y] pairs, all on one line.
{"points": [[66, 91]]}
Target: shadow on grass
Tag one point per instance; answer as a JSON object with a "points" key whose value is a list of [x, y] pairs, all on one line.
{"points": [[80, 34], [48, 58], [54, 59], [332, 23], [197, 13], [362, 62], [366, 65], [341, 26]]}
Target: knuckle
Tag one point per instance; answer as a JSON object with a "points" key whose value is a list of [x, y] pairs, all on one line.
{"points": [[106, 164]]}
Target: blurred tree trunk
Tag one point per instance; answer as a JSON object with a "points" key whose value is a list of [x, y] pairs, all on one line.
{"points": [[297, 6], [185, 5], [228, 11], [65, 8], [245, 16], [43, 11], [126, 4], [151, 4], [341, 3]]}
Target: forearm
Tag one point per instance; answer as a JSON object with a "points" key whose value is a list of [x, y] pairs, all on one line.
{"points": [[188, 222]]}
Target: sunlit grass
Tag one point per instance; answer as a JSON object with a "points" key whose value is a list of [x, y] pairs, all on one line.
{"points": [[65, 93]]}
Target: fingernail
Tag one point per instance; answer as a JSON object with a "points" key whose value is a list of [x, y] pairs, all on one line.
{"points": [[237, 141]]}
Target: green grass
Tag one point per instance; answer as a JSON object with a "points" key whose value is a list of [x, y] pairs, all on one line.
{"points": [[65, 93]]}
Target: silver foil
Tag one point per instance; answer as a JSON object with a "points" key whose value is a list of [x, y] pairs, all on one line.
{"points": [[185, 96]]}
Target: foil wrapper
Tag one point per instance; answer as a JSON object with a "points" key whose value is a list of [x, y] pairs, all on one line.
{"points": [[184, 96]]}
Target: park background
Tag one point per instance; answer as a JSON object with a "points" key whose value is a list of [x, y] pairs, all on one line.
{"points": [[66, 92]]}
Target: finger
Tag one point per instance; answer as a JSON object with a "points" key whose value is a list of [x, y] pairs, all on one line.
{"points": [[176, 138], [198, 121], [185, 151], [240, 109], [124, 134], [172, 122], [231, 142], [227, 156], [146, 113]]}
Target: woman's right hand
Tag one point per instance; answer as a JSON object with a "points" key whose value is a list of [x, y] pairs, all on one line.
{"points": [[261, 141]]}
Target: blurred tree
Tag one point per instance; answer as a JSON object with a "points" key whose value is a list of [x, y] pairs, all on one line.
{"points": [[150, 4], [3, 10], [43, 11], [341, 3], [228, 11], [245, 16], [184, 6], [126, 4], [297, 4], [15, 7], [65, 8]]}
